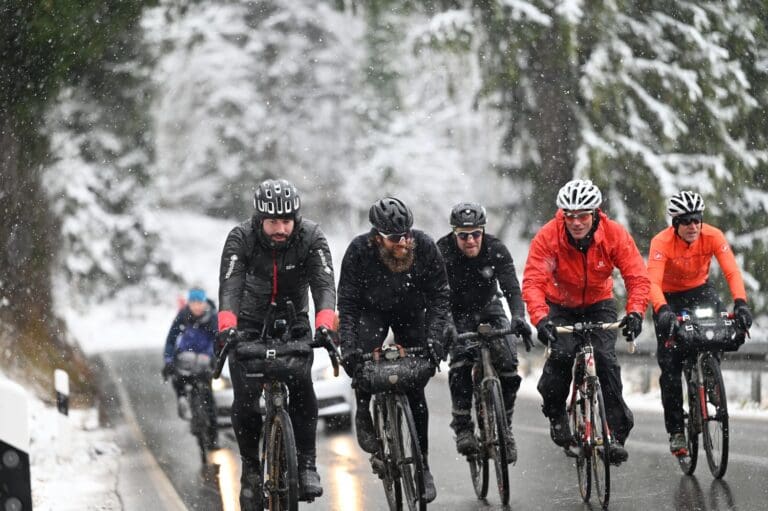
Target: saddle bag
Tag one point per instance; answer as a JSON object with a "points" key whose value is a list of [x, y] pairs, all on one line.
{"points": [[402, 374], [275, 360]]}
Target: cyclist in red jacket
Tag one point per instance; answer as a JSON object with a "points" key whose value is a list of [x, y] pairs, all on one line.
{"points": [[567, 278], [678, 265]]}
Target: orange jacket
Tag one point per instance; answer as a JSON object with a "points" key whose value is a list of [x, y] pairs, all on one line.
{"points": [[674, 265], [557, 271]]}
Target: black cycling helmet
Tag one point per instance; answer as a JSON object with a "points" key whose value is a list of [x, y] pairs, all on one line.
{"points": [[468, 214], [390, 216], [277, 198]]}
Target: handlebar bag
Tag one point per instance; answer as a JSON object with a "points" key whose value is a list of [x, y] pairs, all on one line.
{"points": [[711, 334], [399, 375], [275, 360], [191, 364]]}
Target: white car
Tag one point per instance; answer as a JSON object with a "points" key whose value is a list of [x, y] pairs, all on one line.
{"points": [[335, 397]]}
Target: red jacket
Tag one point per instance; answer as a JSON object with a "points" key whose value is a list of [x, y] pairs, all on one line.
{"points": [[557, 271], [674, 265]]}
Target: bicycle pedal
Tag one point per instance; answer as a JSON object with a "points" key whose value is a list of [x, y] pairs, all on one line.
{"points": [[572, 451]]}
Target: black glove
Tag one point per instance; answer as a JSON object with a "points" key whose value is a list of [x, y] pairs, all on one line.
{"points": [[324, 333], [223, 338], [741, 314], [450, 334], [168, 369], [666, 320], [437, 349], [633, 325], [520, 327], [351, 360], [546, 331]]}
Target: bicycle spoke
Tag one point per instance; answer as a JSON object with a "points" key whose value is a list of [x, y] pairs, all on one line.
{"points": [[716, 423], [692, 426], [478, 463], [578, 417], [409, 462], [601, 442], [496, 419]]}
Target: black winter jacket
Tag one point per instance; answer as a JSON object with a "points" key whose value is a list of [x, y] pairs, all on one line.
{"points": [[248, 265], [474, 280], [365, 283]]}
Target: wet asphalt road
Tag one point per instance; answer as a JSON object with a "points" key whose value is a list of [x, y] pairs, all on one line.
{"points": [[543, 479]]}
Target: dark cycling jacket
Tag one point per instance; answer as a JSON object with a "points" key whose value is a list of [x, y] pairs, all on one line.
{"points": [[252, 273], [473, 280], [191, 333], [365, 283]]}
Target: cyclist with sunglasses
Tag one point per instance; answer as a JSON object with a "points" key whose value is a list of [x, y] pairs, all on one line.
{"points": [[477, 264], [392, 277], [678, 265], [567, 279]]}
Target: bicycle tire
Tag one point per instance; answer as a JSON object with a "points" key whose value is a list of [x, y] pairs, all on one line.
{"points": [[387, 452], [601, 466], [409, 458], [715, 426], [496, 438], [200, 423], [578, 413], [478, 462], [281, 474], [691, 417]]}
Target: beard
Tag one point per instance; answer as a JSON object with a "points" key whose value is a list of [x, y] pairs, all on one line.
{"points": [[398, 264]]}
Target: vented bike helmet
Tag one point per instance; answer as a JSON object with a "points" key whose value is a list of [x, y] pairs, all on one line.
{"points": [[579, 194], [277, 198], [390, 216], [684, 203], [468, 214]]}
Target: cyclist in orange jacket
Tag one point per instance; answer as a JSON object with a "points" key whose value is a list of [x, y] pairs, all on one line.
{"points": [[678, 265], [567, 279]]}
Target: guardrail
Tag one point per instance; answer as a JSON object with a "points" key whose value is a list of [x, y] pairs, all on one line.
{"points": [[752, 357]]}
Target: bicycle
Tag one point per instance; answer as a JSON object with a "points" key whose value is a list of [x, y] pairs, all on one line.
{"points": [[592, 438], [705, 337], [193, 374], [270, 357], [491, 429], [387, 373]]}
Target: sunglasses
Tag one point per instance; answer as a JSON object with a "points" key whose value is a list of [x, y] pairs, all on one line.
{"points": [[396, 237], [581, 216], [689, 220], [464, 235]]}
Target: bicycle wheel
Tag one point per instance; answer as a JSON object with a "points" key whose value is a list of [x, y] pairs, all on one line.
{"points": [[200, 423], [387, 471], [578, 414], [281, 480], [478, 462], [601, 442], [715, 424], [692, 422], [495, 431], [409, 460]]}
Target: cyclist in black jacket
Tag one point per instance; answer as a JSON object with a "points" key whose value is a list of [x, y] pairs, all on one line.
{"points": [[477, 263], [274, 257], [392, 277]]}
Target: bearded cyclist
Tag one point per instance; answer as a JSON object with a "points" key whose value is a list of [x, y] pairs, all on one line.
{"points": [[274, 258], [567, 279], [392, 277], [678, 265], [477, 263]]}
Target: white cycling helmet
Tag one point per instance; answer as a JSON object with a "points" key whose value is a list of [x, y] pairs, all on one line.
{"points": [[685, 202], [579, 194]]}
